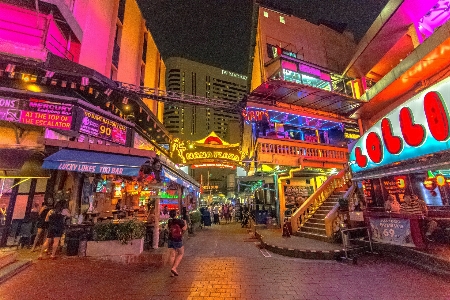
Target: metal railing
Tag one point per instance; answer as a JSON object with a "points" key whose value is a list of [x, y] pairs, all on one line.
{"points": [[309, 207], [331, 217], [177, 97], [302, 149]]}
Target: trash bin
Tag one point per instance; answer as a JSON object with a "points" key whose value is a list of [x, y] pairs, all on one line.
{"points": [[73, 243]]}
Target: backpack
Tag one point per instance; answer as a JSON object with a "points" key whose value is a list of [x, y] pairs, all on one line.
{"points": [[175, 231]]}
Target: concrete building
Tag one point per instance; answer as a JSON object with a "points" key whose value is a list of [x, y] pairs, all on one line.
{"points": [[191, 122], [63, 65]]}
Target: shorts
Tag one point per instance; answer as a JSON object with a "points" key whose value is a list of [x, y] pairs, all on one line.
{"points": [[174, 245]]}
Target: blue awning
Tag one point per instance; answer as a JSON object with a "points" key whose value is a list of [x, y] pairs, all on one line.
{"points": [[94, 162]]}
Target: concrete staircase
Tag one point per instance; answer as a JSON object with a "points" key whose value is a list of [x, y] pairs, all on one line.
{"points": [[314, 228], [10, 264]]}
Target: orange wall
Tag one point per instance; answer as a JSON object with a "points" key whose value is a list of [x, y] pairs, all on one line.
{"points": [[130, 58]]}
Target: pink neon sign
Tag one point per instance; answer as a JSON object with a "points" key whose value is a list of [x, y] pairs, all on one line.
{"points": [[437, 16]]}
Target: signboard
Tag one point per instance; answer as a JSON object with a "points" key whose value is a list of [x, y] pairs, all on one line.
{"points": [[103, 128], [36, 112], [391, 231], [395, 186], [418, 127], [296, 194]]}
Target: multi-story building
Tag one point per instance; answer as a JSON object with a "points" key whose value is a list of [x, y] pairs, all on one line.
{"points": [[299, 115], [403, 64], [192, 123], [197, 79], [68, 76]]}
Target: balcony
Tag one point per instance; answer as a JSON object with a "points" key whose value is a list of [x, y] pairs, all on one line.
{"points": [[24, 33], [296, 153]]}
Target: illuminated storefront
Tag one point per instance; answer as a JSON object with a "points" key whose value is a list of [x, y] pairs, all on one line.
{"points": [[407, 153]]}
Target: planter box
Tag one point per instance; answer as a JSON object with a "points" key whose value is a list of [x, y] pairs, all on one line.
{"points": [[111, 248]]}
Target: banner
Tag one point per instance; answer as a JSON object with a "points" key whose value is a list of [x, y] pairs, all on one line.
{"points": [[36, 112], [296, 194], [391, 231]]}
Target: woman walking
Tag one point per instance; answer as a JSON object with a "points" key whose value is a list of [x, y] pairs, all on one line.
{"points": [[55, 220]]}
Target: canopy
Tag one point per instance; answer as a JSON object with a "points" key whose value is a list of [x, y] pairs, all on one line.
{"points": [[95, 162]]}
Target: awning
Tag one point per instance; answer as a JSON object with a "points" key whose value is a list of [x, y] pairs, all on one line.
{"points": [[94, 162], [172, 175], [438, 161]]}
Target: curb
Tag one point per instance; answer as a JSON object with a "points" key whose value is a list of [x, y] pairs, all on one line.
{"points": [[301, 253], [13, 269]]}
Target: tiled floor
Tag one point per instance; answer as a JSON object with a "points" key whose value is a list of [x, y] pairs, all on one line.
{"points": [[222, 263]]}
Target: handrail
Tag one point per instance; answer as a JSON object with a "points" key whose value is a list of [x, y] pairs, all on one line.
{"points": [[267, 148], [332, 215], [309, 207]]}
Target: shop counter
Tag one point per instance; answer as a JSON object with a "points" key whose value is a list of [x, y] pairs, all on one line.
{"points": [[396, 228]]}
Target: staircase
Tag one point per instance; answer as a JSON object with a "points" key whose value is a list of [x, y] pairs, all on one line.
{"points": [[10, 264], [314, 227]]}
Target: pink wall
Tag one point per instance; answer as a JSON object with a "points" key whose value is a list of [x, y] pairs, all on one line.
{"points": [[98, 35], [21, 26]]}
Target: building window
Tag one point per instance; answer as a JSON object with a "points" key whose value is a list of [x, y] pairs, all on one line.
{"points": [[266, 14], [144, 48], [121, 12], [282, 20]]}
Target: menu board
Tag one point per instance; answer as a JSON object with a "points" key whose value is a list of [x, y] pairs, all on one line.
{"points": [[36, 112], [368, 191], [296, 194], [103, 128]]}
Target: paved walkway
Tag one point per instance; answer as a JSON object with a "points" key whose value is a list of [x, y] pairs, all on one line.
{"points": [[221, 262]]}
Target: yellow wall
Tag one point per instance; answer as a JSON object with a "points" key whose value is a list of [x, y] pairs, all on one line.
{"points": [[155, 74], [258, 74], [28, 138]]}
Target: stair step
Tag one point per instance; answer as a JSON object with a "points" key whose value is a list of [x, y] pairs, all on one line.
{"points": [[13, 268], [306, 228], [315, 236], [316, 225], [313, 219]]}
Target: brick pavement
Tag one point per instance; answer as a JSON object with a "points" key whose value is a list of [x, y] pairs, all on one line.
{"points": [[221, 263]]}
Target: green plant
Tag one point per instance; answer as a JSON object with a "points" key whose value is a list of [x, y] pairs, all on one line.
{"points": [[196, 216], [123, 232]]}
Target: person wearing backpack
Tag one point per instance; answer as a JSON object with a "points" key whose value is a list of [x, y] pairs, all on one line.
{"points": [[175, 242]]}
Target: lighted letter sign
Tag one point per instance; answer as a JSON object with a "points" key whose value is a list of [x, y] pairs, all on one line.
{"points": [[255, 115], [419, 127]]}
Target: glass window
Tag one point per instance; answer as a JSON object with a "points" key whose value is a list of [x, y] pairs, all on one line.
{"points": [[282, 20], [266, 14]]}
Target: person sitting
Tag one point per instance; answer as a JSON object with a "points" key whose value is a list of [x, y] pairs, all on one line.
{"points": [[411, 206]]}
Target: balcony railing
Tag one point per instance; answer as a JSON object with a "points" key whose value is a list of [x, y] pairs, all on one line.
{"points": [[296, 153]]}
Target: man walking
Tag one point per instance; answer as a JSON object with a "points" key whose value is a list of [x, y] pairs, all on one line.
{"points": [[175, 242]]}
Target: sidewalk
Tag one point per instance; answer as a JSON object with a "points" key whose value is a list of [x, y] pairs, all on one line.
{"points": [[299, 247], [435, 259]]}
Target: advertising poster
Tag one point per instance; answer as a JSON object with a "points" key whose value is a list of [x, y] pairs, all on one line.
{"points": [[296, 194], [101, 127], [36, 112], [395, 186], [391, 231]]}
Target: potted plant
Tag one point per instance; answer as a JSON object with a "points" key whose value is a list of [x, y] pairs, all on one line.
{"points": [[117, 239]]}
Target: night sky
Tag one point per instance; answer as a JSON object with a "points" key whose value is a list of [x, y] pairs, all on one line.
{"points": [[217, 32]]}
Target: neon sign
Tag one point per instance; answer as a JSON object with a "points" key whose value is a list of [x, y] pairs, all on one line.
{"points": [[98, 126], [255, 115], [419, 127], [216, 165], [438, 15], [36, 112]]}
